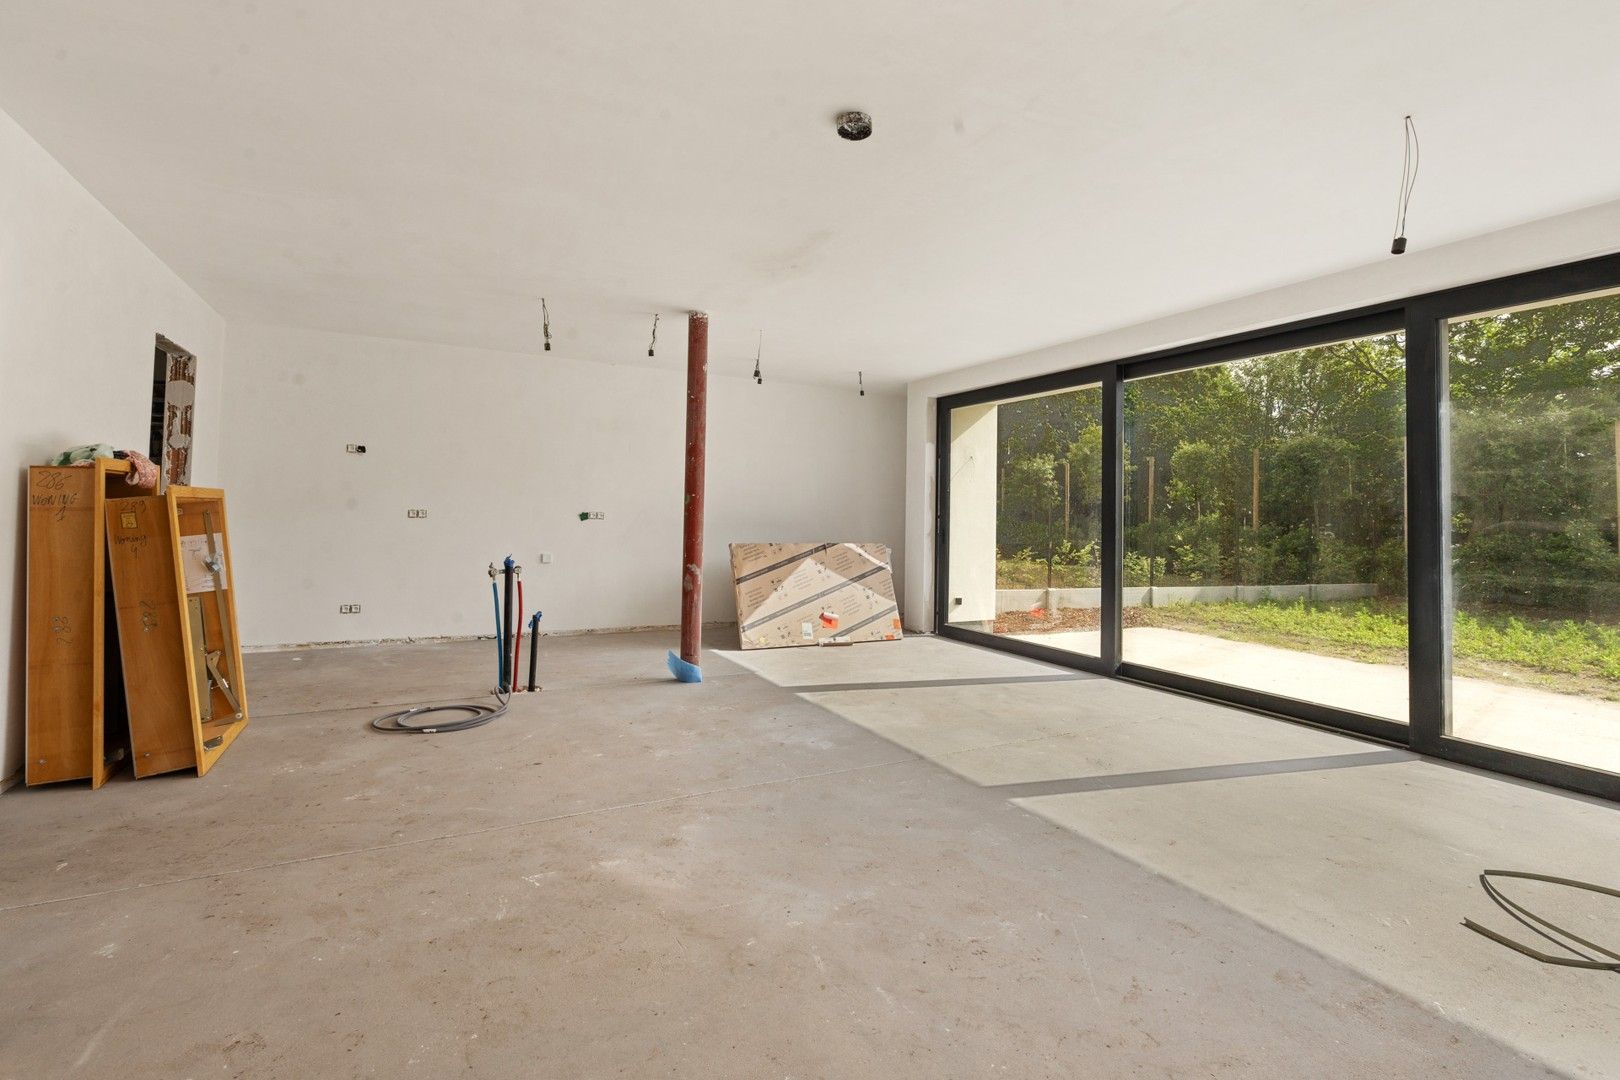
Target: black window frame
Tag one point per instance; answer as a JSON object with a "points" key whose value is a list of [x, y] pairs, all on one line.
{"points": [[1422, 318]]}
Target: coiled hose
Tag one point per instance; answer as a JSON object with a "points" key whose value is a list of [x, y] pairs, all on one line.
{"points": [[478, 714]]}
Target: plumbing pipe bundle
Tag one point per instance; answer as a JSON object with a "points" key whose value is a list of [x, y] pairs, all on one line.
{"points": [[517, 644], [509, 631]]}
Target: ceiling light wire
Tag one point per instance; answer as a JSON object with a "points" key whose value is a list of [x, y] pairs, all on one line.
{"points": [[860, 380], [759, 380], [545, 322], [1411, 155], [652, 346]]}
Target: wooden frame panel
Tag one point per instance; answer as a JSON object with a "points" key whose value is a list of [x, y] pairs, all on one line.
{"points": [[186, 506], [65, 686], [167, 731], [151, 621]]}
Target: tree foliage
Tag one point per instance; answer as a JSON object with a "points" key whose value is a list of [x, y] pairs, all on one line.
{"points": [[1535, 399]]}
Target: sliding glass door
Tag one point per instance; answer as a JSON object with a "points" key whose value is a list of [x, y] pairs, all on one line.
{"points": [[1265, 518], [1535, 530], [1026, 519], [1401, 521]]}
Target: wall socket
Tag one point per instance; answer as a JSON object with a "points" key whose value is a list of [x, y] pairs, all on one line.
{"points": [[416, 513], [545, 558], [348, 609], [591, 515], [355, 448]]}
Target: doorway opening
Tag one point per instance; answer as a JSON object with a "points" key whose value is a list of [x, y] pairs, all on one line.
{"points": [[174, 393]]}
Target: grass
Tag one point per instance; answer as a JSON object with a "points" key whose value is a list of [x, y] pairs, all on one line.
{"points": [[1027, 574], [1568, 655]]}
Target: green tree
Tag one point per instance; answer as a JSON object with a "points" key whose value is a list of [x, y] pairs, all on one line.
{"points": [[1031, 508], [1196, 474]]}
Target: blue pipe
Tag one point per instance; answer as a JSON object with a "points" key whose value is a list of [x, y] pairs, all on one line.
{"points": [[508, 676], [500, 647]]}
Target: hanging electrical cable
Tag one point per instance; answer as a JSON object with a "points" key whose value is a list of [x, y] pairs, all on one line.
{"points": [[860, 379], [759, 380], [545, 322], [653, 345], [1410, 153]]}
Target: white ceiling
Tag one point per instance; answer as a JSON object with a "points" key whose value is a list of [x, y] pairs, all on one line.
{"points": [[1040, 170]]}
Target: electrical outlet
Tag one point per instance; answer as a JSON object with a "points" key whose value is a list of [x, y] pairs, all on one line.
{"points": [[348, 609], [545, 558], [355, 448], [416, 513]]}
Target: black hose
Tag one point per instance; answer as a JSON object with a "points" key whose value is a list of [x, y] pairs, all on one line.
{"points": [[534, 641], [477, 716]]}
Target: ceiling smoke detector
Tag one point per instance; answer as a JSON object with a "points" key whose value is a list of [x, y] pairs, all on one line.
{"points": [[854, 126]]}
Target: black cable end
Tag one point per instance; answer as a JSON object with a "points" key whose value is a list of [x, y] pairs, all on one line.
{"points": [[1398, 246]]}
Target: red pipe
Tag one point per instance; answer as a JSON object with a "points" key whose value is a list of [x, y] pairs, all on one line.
{"points": [[697, 402], [517, 639]]}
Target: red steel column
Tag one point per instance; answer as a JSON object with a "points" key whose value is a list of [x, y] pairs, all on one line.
{"points": [[697, 408]]}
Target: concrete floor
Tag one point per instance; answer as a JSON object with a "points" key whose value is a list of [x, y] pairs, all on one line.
{"points": [[1564, 727], [894, 860]]}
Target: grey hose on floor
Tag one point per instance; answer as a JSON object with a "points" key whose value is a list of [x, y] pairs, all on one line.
{"points": [[478, 715], [1530, 920]]}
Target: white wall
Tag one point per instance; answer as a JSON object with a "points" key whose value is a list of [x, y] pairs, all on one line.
{"points": [[80, 302], [504, 451], [1566, 238]]}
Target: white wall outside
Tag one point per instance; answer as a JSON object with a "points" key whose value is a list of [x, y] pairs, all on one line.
{"points": [[973, 514], [81, 300]]}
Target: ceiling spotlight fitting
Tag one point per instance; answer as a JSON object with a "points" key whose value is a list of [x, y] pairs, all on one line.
{"points": [[854, 126]]}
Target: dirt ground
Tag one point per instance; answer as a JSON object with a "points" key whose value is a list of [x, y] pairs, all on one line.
{"points": [[1044, 621]]}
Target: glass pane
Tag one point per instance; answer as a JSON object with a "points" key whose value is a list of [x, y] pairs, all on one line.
{"points": [[1535, 425], [1265, 531], [1026, 519]]}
